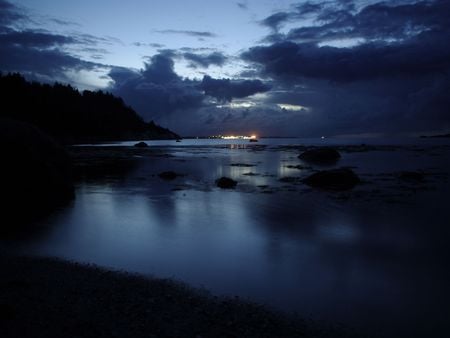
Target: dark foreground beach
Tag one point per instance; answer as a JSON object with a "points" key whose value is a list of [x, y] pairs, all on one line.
{"points": [[52, 298]]}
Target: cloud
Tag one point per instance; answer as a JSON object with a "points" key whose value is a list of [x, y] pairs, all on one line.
{"points": [[156, 90], [403, 40], [39, 54], [145, 44], [197, 34], [186, 106], [288, 60], [205, 60], [381, 67], [274, 21], [10, 13], [226, 89], [242, 5]]}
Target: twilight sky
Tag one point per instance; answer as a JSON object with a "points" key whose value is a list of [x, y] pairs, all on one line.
{"points": [[271, 67]]}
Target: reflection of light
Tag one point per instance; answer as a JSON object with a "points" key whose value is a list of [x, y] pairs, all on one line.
{"points": [[291, 107], [253, 137], [341, 232]]}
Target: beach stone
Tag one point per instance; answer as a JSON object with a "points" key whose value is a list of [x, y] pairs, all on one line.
{"points": [[141, 145], [226, 183], [322, 155], [335, 179], [412, 176], [36, 173], [168, 175]]}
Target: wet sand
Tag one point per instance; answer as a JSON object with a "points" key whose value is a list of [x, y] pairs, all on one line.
{"points": [[52, 298]]}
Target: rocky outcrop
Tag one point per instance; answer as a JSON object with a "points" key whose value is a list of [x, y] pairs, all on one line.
{"points": [[321, 156], [35, 174], [336, 179], [141, 145], [226, 183], [168, 175]]}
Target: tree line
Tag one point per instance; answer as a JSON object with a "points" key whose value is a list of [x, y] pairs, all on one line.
{"points": [[72, 116]]}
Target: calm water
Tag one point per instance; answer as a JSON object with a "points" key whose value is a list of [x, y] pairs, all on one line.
{"points": [[375, 258]]}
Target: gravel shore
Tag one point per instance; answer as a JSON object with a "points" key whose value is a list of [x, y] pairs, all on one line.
{"points": [[51, 298]]}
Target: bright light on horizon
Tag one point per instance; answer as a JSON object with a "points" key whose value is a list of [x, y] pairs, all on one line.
{"points": [[236, 137]]}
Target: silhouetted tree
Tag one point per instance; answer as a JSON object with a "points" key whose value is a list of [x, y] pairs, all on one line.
{"points": [[71, 116]]}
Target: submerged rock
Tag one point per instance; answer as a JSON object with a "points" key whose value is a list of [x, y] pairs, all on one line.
{"points": [[322, 155], [36, 174], [336, 179], [168, 175], [226, 183], [412, 176], [141, 145]]}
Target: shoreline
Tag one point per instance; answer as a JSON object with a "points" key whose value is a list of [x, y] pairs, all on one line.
{"points": [[46, 297]]}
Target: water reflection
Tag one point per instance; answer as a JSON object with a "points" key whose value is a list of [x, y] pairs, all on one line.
{"points": [[365, 264]]}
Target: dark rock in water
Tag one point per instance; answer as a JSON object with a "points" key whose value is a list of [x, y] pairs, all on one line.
{"points": [[412, 176], [322, 155], [141, 145], [336, 179], [168, 175], [35, 175], [226, 183]]}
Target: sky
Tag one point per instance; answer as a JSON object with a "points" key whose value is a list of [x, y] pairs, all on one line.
{"points": [[265, 67]]}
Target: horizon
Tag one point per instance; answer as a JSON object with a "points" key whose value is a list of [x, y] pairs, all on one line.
{"points": [[286, 68]]}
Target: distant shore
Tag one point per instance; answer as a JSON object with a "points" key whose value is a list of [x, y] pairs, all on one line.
{"points": [[51, 298]]}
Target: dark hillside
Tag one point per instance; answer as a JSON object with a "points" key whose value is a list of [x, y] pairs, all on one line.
{"points": [[71, 116]]}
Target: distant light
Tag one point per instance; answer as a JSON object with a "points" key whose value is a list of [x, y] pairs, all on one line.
{"points": [[234, 137]]}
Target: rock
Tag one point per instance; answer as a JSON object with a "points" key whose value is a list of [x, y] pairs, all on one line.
{"points": [[141, 145], [36, 174], [168, 175], [322, 155], [226, 183], [412, 176], [336, 179]]}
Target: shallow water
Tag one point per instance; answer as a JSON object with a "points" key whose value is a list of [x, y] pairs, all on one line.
{"points": [[375, 258]]}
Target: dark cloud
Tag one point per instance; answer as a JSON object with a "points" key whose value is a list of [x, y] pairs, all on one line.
{"points": [[205, 60], [395, 76], [184, 105], [226, 89], [410, 42], [289, 60], [197, 34], [308, 8], [34, 39], [39, 54], [49, 62], [9, 13], [274, 21], [156, 90], [379, 21]]}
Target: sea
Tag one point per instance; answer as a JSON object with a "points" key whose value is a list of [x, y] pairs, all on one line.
{"points": [[374, 258]]}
